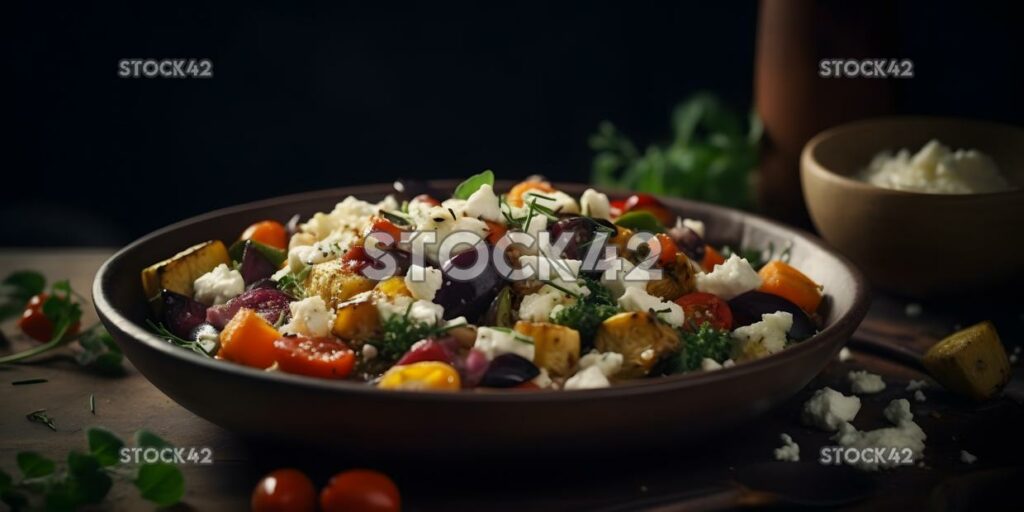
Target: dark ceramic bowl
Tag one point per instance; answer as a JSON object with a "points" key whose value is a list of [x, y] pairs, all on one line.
{"points": [[632, 416]]}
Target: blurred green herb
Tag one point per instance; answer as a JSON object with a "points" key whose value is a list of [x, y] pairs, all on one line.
{"points": [[704, 343], [87, 478], [293, 283], [710, 157], [16, 289]]}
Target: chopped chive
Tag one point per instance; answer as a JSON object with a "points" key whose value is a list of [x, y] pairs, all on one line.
{"points": [[28, 381], [39, 416], [92, 404]]}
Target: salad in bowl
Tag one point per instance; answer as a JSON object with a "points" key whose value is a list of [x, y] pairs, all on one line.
{"points": [[527, 288]]}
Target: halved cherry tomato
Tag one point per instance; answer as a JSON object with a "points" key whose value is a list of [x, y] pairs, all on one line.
{"points": [[316, 357], [268, 232], [383, 225], [37, 325], [649, 203], [284, 490], [617, 207], [426, 198], [360, 490], [711, 258], [700, 307], [356, 258], [668, 249], [495, 231]]}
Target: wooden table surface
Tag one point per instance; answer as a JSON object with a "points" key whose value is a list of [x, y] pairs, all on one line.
{"points": [[125, 404]]}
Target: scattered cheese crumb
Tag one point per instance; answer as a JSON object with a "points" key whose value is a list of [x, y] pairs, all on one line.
{"points": [[967, 457], [844, 354], [905, 435], [707, 364], [369, 352], [915, 385], [919, 396], [864, 383], [828, 409], [789, 451], [913, 310]]}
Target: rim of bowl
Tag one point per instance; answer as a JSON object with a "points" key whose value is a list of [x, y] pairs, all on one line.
{"points": [[138, 333], [810, 163]]}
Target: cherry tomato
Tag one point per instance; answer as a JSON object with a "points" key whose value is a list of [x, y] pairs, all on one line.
{"points": [[700, 307], [37, 325], [617, 207], [425, 198], [668, 249], [360, 490], [378, 224], [316, 357], [356, 258], [268, 232], [284, 490], [649, 203]]}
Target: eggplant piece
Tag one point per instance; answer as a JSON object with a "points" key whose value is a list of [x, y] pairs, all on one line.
{"points": [[582, 232], [467, 298], [255, 265], [747, 308], [508, 370], [269, 303], [500, 312], [688, 241], [180, 314]]}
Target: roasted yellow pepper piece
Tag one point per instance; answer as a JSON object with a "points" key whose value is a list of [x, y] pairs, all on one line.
{"points": [[422, 376]]}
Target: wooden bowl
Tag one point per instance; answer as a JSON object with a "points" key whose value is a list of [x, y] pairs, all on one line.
{"points": [[917, 244], [355, 417]]}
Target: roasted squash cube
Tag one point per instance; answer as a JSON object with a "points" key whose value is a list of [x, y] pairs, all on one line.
{"points": [[178, 272], [556, 347], [971, 362]]}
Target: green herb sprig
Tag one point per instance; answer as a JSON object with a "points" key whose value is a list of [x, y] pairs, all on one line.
{"points": [[87, 478]]}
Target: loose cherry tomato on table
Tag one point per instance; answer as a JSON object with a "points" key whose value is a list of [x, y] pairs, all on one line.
{"points": [[360, 490], [268, 232], [316, 357], [284, 490], [651, 204], [37, 325], [700, 307]]}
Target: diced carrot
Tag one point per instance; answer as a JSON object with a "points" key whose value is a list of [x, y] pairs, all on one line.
{"points": [[249, 339], [515, 196], [779, 278], [268, 232], [495, 231], [711, 258]]}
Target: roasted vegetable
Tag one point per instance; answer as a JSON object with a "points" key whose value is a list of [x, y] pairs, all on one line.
{"points": [[393, 287], [180, 314], [640, 338], [325, 358], [678, 278], [270, 303], [779, 278], [335, 283], [508, 370], [248, 339], [422, 376], [467, 298], [356, 320], [971, 362], [556, 347], [181, 270]]}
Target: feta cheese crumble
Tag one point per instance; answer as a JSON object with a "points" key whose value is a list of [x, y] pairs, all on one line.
{"points": [[423, 282], [496, 341], [936, 169], [905, 435], [218, 285], [919, 396], [707, 364], [310, 317], [637, 299], [484, 205], [595, 204], [915, 385], [765, 337], [729, 279], [844, 354], [595, 368], [967, 457], [827, 409], [864, 383], [789, 451]]}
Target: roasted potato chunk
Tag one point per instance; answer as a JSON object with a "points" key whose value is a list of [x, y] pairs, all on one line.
{"points": [[393, 287], [556, 347], [677, 279], [178, 272], [356, 320], [971, 362], [335, 283], [640, 338]]}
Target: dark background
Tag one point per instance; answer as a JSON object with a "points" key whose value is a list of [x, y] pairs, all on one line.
{"points": [[312, 98]]}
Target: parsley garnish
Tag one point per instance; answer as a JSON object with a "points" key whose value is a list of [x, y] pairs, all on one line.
{"points": [[400, 332], [705, 342], [587, 313]]}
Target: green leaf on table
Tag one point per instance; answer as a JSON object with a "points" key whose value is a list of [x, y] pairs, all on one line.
{"points": [[147, 439], [13, 499], [86, 483], [33, 465], [160, 483], [99, 352], [104, 445], [640, 221], [5, 481], [472, 184]]}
